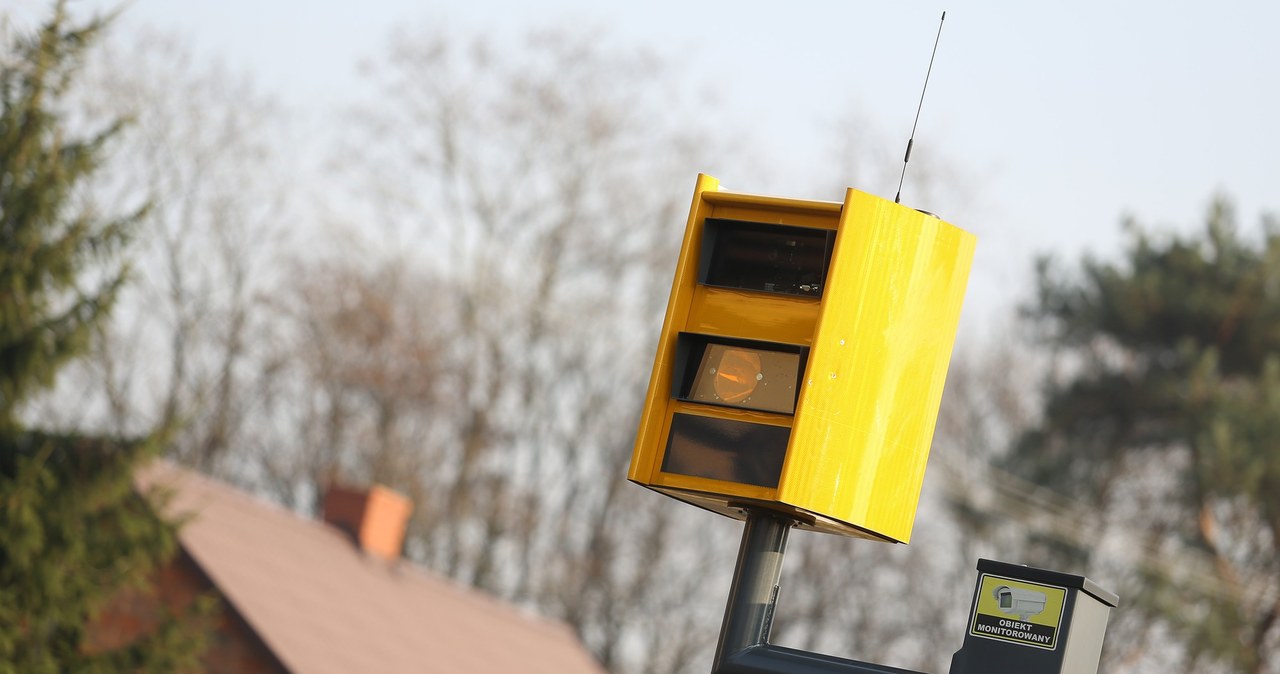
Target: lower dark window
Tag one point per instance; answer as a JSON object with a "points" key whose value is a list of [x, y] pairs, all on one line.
{"points": [[726, 449]]}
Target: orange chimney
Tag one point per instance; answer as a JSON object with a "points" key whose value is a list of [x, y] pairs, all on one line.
{"points": [[375, 518]]}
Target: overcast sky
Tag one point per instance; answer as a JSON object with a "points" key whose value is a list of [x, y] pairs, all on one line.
{"points": [[1065, 116]]}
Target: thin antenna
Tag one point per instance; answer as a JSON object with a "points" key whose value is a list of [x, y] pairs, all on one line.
{"points": [[898, 198]]}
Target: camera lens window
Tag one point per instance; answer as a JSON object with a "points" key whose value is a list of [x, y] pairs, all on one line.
{"points": [[765, 257]]}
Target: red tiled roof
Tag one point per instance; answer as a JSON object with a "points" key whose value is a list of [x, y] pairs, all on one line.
{"points": [[324, 607]]}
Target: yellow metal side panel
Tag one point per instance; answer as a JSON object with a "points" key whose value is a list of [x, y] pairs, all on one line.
{"points": [[877, 366], [650, 438]]}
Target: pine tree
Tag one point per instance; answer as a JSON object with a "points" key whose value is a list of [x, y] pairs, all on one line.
{"points": [[49, 238], [73, 532], [1165, 415]]}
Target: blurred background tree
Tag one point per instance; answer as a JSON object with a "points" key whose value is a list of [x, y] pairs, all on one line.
{"points": [[72, 530], [1161, 416], [454, 289]]}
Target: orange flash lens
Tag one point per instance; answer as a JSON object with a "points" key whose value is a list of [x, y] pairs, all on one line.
{"points": [[737, 374], [747, 377]]}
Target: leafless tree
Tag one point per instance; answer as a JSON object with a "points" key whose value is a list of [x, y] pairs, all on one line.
{"points": [[200, 149], [489, 352], [527, 185], [478, 334]]}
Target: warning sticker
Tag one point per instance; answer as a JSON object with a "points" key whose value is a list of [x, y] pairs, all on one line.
{"points": [[1017, 611]]}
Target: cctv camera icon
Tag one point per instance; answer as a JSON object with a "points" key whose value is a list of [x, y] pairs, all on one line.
{"points": [[1019, 602]]}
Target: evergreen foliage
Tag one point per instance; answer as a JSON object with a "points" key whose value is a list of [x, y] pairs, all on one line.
{"points": [[49, 235], [73, 532], [1169, 365]]}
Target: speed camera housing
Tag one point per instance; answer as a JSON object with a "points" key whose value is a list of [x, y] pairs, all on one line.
{"points": [[802, 359]]}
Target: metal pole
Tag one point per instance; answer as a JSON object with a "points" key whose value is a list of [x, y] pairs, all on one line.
{"points": [[754, 591], [744, 637]]}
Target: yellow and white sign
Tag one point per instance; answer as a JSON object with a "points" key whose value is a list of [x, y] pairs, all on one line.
{"points": [[1017, 611]]}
